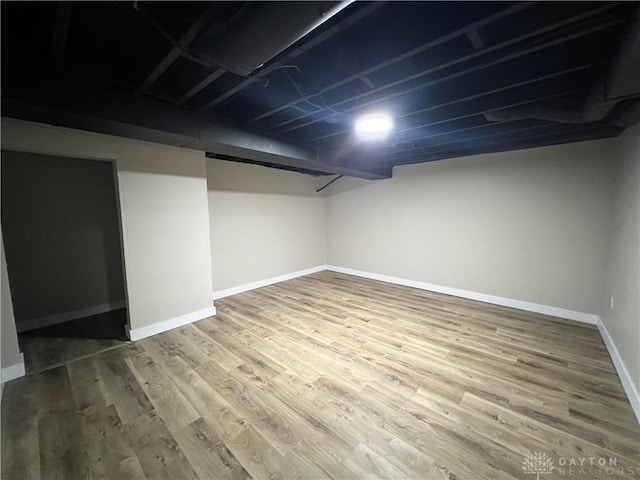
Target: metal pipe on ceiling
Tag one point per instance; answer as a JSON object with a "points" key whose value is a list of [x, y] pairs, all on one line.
{"points": [[329, 183], [626, 114], [263, 31]]}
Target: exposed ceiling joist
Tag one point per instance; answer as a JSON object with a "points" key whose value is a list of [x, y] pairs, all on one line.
{"points": [[367, 81], [475, 39], [497, 61], [475, 111], [212, 77], [313, 42], [404, 56], [623, 76], [262, 31], [178, 49], [483, 93]]}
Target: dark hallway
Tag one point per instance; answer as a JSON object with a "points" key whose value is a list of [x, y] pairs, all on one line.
{"points": [[51, 346], [60, 224]]}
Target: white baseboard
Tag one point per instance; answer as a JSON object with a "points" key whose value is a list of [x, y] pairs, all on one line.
{"points": [[68, 316], [506, 302], [13, 371], [625, 377], [482, 297], [140, 333], [227, 292]]}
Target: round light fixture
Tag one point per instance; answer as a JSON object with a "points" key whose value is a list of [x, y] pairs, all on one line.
{"points": [[375, 125]]}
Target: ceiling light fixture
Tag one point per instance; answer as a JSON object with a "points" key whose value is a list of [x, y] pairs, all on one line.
{"points": [[374, 126]]}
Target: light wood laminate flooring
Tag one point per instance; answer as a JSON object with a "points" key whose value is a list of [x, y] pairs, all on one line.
{"points": [[330, 376]]}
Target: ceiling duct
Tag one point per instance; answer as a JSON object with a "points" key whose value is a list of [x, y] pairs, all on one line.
{"points": [[103, 109], [619, 84], [261, 31], [595, 107], [626, 114]]}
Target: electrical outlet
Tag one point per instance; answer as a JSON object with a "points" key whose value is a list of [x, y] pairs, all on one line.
{"points": [[611, 303]]}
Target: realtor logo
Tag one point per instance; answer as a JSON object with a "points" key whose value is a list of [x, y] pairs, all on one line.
{"points": [[537, 463]]}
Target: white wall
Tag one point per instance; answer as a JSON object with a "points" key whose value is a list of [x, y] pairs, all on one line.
{"points": [[163, 205], [263, 222], [529, 225], [623, 266], [11, 361], [62, 236]]}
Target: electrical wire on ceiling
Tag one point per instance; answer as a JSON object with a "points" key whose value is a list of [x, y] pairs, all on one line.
{"points": [[298, 87], [281, 67], [307, 97]]}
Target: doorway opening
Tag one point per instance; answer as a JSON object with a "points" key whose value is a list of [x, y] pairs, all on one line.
{"points": [[63, 244]]}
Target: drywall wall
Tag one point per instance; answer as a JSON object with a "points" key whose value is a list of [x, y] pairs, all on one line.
{"points": [[10, 356], [623, 261], [162, 193], [62, 237], [529, 225], [263, 222]]}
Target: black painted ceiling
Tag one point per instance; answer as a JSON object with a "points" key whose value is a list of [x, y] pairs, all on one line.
{"points": [[435, 66]]}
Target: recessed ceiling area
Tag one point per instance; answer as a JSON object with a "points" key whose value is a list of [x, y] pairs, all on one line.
{"points": [[282, 84]]}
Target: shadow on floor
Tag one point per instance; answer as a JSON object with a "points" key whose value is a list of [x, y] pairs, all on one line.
{"points": [[48, 347], [110, 325]]}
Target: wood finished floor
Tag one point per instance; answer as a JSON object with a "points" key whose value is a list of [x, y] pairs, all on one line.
{"points": [[328, 376]]}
